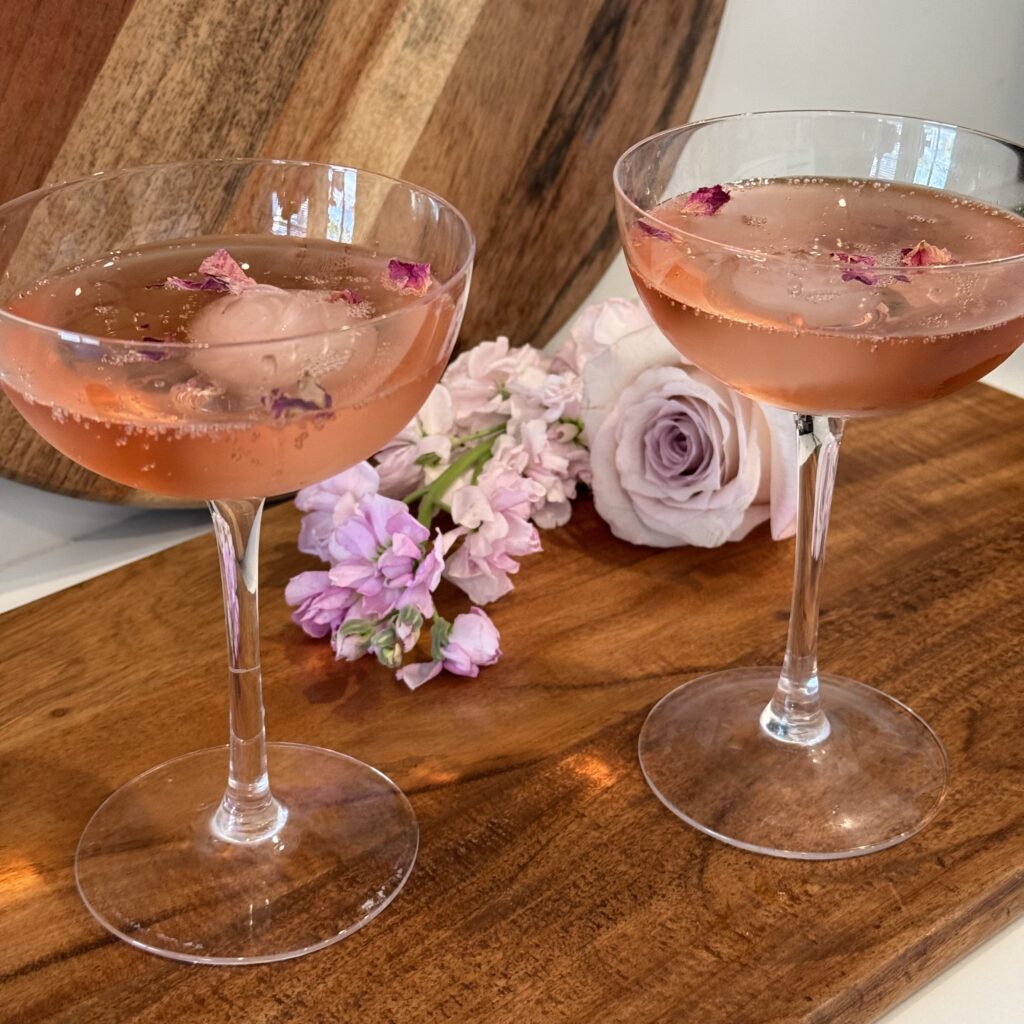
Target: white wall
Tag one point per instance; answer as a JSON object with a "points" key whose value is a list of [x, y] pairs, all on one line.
{"points": [[949, 60]]}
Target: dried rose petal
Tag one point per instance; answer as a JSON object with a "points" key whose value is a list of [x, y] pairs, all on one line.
{"points": [[411, 278], [198, 393], [652, 231], [219, 272], [924, 254], [346, 295], [703, 202], [856, 259], [183, 284], [222, 266], [153, 355], [311, 398]]}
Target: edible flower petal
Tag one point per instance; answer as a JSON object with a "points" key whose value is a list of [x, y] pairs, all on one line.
{"points": [[924, 254], [219, 272], [411, 278], [311, 398], [857, 260], [207, 284], [222, 266], [154, 355], [703, 202], [345, 295], [652, 231]]}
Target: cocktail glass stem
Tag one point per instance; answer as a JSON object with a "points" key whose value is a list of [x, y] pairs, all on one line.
{"points": [[794, 713], [248, 811]]}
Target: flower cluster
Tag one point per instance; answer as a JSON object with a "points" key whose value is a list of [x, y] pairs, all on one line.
{"points": [[379, 590], [495, 452], [500, 449]]}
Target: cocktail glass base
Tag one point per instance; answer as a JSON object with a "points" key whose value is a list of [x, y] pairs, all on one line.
{"points": [[151, 868], [874, 781]]}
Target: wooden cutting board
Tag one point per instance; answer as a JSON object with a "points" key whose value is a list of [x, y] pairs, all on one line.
{"points": [[515, 110], [552, 886]]}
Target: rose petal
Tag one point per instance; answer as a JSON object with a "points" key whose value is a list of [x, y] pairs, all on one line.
{"points": [[206, 284], [411, 278], [704, 202], [311, 398], [221, 266], [924, 254], [417, 674], [652, 231], [857, 259], [345, 295]]}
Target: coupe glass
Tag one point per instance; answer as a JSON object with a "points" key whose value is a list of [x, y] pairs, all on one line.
{"points": [[249, 852], [793, 762]]}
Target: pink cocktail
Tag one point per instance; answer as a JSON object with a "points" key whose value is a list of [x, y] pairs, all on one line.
{"points": [[175, 410], [832, 320], [227, 331], [835, 265]]}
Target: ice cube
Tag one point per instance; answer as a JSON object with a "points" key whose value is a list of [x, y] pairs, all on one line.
{"points": [[327, 335], [791, 293]]}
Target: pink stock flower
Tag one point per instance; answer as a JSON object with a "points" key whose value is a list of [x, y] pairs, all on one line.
{"points": [[597, 327], [469, 644], [555, 462], [418, 453], [479, 382], [322, 607], [492, 519], [384, 555], [329, 503]]}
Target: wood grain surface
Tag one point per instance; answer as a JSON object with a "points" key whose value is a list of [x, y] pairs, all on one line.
{"points": [[516, 112], [551, 885]]}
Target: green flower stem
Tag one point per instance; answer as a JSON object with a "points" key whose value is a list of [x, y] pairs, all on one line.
{"points": [[479, 435], [431, 496]]}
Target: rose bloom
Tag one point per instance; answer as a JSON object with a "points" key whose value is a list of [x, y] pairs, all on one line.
{"points": [[676, 456]]}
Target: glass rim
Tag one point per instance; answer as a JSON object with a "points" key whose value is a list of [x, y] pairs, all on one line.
{"points": [[777, 258], [76, 337]]}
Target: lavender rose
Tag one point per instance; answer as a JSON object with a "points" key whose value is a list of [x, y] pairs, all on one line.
{"points": [[677, 457]]}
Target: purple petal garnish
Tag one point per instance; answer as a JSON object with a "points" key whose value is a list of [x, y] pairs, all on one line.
{"points": [[345, 295], [924, 254], [219, 272], [222, 266], [703, 202], [652, 231], [153, 355], [855, 260], [411, 278], [312, 398], [183, 284]]}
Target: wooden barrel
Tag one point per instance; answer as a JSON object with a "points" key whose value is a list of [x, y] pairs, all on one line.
{"points": [[515, 110]]}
